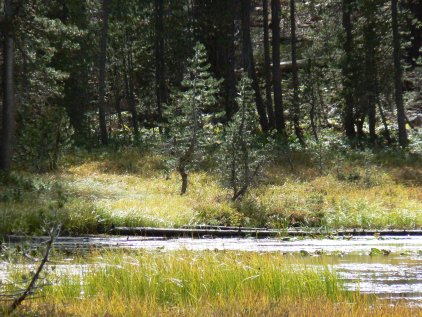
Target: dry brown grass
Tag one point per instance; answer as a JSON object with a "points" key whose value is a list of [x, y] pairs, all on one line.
{"points": [[254, 305]]}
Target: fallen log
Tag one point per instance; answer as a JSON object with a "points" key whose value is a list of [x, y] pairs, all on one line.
{"points": [[288, 66], [241, 232], [204, 232]]}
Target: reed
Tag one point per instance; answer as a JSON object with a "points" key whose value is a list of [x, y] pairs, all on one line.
{"points": [[208, 283], [187, 278]]}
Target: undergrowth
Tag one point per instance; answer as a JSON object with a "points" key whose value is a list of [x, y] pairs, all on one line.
{"points": [[130, 187]]}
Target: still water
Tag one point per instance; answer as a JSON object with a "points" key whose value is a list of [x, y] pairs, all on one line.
{"points": [[390, 267]]}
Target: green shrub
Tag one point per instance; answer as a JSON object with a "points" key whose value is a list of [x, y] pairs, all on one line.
{"points": [[219, 215], [45, 135]]}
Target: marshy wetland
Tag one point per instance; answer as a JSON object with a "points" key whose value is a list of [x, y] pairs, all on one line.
{"points": [[98, 275], [357, 276]]}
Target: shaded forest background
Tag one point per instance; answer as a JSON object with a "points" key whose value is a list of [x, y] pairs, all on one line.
{"points": [[88, 73]]}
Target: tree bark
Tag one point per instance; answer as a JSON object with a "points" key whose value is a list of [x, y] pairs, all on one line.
{"points": [[398, 86], [160, 73], [117, 96], [295, 77], [387, 134], [267, 68], [278, 96], [228, 54], [348, 117], [310, 91], [184, 176], [9, 110], [249, 63], [132, 101], [369, 39], [102, 72]]}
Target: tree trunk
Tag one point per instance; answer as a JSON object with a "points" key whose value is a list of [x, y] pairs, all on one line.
{"points": [[160, 73], [239, 194], [132, 101], [119, 110], [370, 74], [295, 78], [348, 117], [267, 68], [184, 176], [360, 120], [387, 134], [8, 118], [278, 96], [398, 86], [249, 63], [102, 72], [228, 54], [313, 101]]}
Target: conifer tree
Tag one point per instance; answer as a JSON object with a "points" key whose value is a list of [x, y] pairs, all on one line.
{"points": [[186, 115], [242, 154]]}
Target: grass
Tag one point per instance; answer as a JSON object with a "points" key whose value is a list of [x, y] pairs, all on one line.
{"points": [[128, 187], [187, 278], [183, 283], [252, 305]]}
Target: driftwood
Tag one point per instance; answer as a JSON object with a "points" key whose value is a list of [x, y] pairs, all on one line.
{"points": [[53, 234]]}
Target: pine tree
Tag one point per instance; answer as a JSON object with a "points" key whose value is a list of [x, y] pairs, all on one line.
{"points": [[242, 154], [8, 117], [186, 116], [102, 72], [398, 86]]}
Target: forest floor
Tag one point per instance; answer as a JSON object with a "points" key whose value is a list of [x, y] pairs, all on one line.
{"points": [[128, 187]]}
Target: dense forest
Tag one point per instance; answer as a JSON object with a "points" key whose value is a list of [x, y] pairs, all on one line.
{"points": [[91, 73], [239, 90]]}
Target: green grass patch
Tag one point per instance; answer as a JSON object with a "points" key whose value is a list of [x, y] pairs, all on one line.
{"points": [[188, 278]]}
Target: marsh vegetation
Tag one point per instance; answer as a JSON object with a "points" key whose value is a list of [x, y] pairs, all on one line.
{"points": [[130, 187], [186, 283]]}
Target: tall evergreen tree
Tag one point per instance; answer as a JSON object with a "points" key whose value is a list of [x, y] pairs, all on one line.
{"points": [[242, 154], [267, 67], [160, 72], [295, 77], [403, 141], [370, 71], [249, 62], [186, 115], [278, 96], [9, 110], [102, 72], [347, 65]]}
